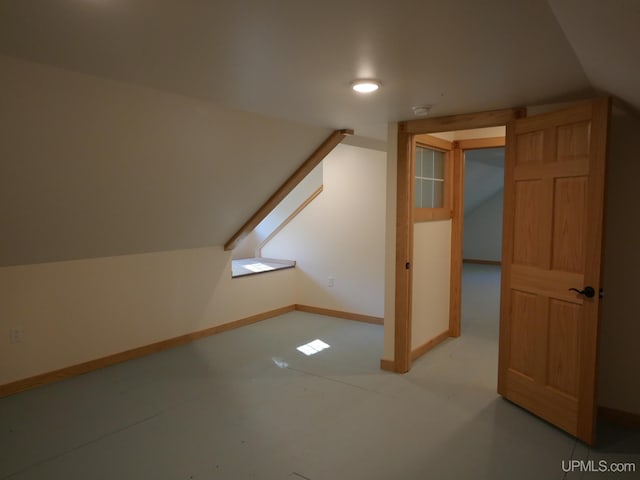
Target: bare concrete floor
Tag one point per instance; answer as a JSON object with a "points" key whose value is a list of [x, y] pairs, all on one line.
{"points": [[246, 404]]}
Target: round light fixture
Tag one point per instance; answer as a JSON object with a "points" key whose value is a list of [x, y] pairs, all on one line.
{"points": [[365, 85], [421, 110]]}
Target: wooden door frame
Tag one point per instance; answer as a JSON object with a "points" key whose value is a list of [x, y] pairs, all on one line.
{"points": [[457, 225], [404, 221]]}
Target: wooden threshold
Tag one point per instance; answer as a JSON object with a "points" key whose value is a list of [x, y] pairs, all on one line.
{"points": [[79, 369], [309, 164]]}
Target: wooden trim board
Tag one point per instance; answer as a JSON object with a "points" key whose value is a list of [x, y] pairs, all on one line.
{"points": [[457, 228], [479, 143], [86, 367], [309, 164], [465, 121], [387, 365], [404, 252], [285, 222], [481, 262], [79, 369], [431, 214], [340, 314], [425, 347]]}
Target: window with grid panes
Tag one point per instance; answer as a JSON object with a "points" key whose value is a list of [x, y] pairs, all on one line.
{"points": [[430, 178]]}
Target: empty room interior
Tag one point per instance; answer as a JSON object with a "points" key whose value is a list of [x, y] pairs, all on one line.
{"points": [[277, 240]]}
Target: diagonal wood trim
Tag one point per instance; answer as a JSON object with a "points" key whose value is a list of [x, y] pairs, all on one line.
{"points": [[310, 163], [461, 122], [358, 317], [285, 222], [425, 347], [79, 369]]}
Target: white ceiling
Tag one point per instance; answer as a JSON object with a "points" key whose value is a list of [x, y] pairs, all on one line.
{"points": [[294, 60]]}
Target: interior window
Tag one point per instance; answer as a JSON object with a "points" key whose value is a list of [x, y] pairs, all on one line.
{"points": [[430, 178]]}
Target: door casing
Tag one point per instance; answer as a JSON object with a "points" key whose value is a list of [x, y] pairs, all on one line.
{"points": [[404, 221], [404, 239]]}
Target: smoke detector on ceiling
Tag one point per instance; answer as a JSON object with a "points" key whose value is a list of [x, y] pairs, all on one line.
{"points": [[422, 110]]}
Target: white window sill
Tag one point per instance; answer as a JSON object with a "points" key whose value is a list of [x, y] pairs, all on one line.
{"points": [[243, 267]]}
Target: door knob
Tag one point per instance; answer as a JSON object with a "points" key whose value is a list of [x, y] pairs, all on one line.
{"points": [[588, 292]]}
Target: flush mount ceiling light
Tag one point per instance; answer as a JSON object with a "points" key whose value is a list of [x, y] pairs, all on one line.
{"points": [[367, 85], [421, 110]]}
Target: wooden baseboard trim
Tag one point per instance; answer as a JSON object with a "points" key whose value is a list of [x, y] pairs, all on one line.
{"points": [[481, 262], [620, 417], [340, 314], [387, 365], [422, 349], [86, 367]]}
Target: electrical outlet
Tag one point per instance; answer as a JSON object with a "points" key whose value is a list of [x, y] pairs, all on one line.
{"points": [[15, 335], [330, 282]]}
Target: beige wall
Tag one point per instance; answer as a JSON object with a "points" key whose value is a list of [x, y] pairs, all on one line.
{"points": [[114, 201], [341, 234], [431, 281], [75, 311]]}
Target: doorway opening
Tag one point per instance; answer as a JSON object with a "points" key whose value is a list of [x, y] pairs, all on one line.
{"points": [[551, 252], [471, 223]]}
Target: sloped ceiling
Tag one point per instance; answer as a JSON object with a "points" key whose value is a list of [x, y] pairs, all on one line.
{"points": [[483, 176], [606, 38], [294, 60], [141, 125]]}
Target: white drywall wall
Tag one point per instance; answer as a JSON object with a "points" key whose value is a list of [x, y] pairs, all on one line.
{"points": [[341, 234], [431, 280], [76, 311], [309, 184], [483, 230]]}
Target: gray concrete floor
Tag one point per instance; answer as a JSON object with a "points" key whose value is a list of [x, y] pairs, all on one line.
{"points": [[246, 404]]}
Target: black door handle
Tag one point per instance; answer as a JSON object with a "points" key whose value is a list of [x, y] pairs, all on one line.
{"points": [[588, 292]]}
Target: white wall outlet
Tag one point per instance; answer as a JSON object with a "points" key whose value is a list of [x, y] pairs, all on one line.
{"points": [[330, 282], [15, 335]]}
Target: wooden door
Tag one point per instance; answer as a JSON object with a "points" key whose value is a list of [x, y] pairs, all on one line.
{"points": [[554, 194]]}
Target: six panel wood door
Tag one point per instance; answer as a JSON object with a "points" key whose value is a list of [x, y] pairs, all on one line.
{"points": [[554, 194]]}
